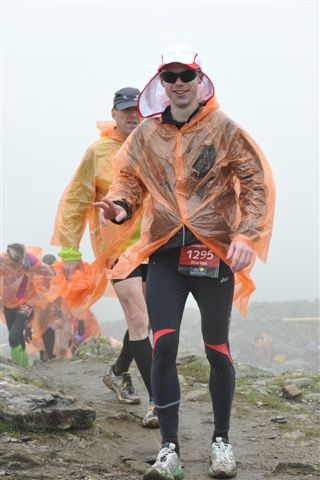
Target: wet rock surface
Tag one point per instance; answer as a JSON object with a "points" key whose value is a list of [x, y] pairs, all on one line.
{"points": [[26, 406]]}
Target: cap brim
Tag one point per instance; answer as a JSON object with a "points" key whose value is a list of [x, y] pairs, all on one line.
{"points": [[124, 105], [193, 66]]}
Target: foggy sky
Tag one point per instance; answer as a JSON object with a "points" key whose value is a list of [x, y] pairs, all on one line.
{"points": [[62, 62]]}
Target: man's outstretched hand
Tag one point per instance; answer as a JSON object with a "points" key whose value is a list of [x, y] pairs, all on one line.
{"points": [[110, 211]]}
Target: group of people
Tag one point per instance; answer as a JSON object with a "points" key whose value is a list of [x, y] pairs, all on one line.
{"points": [[47, 326], [181, 202]]}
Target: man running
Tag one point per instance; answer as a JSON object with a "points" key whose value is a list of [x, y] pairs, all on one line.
{"points": [[90, 183], [208, 215]]}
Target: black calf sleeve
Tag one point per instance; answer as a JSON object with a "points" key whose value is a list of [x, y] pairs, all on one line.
{"points": [[221, 386], [142, 354], [125, 358]]}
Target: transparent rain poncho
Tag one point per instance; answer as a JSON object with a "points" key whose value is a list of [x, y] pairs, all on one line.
{"points": [[209, 176]]}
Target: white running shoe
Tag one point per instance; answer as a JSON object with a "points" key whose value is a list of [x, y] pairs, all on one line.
{"points": [[223, 464], [167, 466]]}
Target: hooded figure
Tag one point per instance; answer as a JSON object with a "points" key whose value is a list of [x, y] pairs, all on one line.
{"points": [[208, 199]]}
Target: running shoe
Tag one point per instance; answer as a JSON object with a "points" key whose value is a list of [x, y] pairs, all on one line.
{"points": [[122, 386], [150, 420], [223, 464], [167, 466]]}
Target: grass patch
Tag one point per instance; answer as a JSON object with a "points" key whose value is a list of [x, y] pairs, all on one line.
{"points": [[18, 377], [195, 372]]}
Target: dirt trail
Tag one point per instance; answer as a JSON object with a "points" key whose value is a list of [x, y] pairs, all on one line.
{"points": [[118, 447]]}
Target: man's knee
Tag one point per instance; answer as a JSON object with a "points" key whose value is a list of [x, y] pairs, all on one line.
{"points": [[166, 345], [218, 359]]}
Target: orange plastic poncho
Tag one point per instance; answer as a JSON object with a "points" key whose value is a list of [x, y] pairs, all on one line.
{"points": [[91, 323], [75, 291], [27, 283], [232, 198]]}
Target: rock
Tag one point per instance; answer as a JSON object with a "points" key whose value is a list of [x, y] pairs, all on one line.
{"points": [[279, 419], [300, 382], [291, 391], [243, 370], [313, 397], [197, 396], [294, 435], [18, 459], [139, 467], [295, 469], [26, 407], [182, 380]]}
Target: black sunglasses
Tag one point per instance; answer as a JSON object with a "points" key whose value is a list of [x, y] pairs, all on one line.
{"points": [[186, 76]]}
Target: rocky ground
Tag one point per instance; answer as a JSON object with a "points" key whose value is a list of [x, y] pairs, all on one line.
{"points": [[275, 424]]}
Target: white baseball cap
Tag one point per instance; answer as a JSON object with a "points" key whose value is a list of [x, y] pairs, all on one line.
{"points": [[153, 99]]}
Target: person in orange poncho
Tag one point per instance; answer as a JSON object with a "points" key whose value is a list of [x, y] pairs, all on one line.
{"points": [[52, 325], [208, 215], [24, 282], [90, 183]]}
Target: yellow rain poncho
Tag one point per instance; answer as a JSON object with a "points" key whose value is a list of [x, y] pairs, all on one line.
{"points": [[90, 183], [233, 198]]}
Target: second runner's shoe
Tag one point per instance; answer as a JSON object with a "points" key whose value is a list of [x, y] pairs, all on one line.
{"points": [[122, 386]]}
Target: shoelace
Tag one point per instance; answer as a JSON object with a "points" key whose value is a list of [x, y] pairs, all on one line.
{"points": [[127, 384], [222, 450], [163, 457]]}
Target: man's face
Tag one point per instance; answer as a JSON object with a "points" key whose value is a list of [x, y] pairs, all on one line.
{"points": [[182, 94], [126, 120]]}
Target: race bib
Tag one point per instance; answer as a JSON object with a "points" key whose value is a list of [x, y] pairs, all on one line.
{"points": [[197, 260]]}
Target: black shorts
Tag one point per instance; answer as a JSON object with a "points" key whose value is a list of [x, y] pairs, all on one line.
{"points": [[140, 271]]}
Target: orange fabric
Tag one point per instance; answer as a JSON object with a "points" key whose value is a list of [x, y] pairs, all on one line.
{"points": [[236, 195], [27, 283], [75, 291], [92, 327]]}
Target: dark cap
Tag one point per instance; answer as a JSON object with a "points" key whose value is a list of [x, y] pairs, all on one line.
{"points": [[49, 259], [125, 98]]}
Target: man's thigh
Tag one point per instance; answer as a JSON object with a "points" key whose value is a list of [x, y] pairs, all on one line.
{"points": [[167, 292], [214, 297]]}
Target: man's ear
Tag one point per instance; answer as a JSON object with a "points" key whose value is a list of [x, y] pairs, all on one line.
{"points": [[113, 110]]}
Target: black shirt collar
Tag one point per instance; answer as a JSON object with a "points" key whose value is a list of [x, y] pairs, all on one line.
{"points": [[167, 117]]}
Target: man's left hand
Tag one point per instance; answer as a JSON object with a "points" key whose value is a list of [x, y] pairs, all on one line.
{"points": [[241, 254]]}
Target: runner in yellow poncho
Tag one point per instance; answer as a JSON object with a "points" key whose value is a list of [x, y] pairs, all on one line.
{"points": [[90, 183]]}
